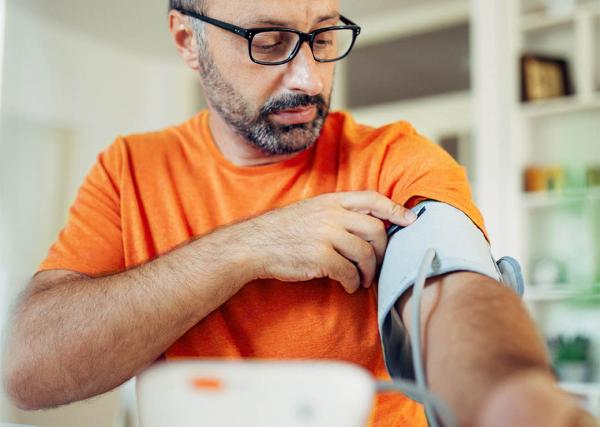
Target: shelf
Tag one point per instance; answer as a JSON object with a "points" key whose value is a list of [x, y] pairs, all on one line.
{"points": [[547, 293], [560, 292], [537, 21], [588, 394], [544, 199], [543, 20], [558, 106], [582, 388]]}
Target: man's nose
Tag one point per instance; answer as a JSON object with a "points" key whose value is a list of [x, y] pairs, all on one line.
{"points": [[303, 74]]}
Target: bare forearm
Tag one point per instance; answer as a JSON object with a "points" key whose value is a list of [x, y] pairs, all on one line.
{"points": [[477, 335], [88, 335]]}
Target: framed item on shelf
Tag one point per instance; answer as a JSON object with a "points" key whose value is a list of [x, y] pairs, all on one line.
{"points": [[544, 77]]}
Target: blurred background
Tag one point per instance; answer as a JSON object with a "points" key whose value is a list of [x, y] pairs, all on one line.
{"points": [[511, 89]]}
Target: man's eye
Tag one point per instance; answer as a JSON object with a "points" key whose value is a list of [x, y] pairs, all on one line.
{"points": [[323, 44], [272, 46]]}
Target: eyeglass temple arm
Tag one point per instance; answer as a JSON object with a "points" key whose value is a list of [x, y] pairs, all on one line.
{"points": [[224, 25], [347, 21]]}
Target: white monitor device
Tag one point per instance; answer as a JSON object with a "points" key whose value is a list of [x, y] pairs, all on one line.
{"points": [[266, 394]]}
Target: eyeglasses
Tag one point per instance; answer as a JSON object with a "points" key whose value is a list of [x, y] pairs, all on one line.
{"points": [[276, 46]]}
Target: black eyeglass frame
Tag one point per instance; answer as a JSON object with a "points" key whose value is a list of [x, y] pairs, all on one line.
{"points": [[250, 33]]}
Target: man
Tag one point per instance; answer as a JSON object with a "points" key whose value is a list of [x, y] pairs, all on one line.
{"points": [[255, 230]]}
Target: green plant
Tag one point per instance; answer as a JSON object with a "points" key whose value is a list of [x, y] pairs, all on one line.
{"points": [[570, 349]]}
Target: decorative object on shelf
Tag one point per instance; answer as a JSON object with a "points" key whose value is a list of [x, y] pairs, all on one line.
{"points": [[572, 357], [544, 77], [555, 176], [544, 178], [593, 176], [548, 271], [534, 179]]}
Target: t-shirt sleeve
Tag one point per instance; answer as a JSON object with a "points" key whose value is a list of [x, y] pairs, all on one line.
{"points": [[415, 169], [91, 242]]}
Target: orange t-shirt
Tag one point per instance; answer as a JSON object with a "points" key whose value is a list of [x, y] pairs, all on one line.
{"points": [[148, 193]]}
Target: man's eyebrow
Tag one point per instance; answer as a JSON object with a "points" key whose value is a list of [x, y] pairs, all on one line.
{"points": [[268, 20], [329, 17]]}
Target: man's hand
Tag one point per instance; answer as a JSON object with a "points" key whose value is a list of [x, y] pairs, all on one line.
{"points": [[532, 399], [338, 235]]}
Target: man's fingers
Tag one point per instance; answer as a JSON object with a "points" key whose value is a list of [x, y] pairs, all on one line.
{"points": [[373, 203], [343, 271], [360, 252], [368, 228]]}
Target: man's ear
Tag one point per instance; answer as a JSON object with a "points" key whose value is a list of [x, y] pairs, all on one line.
{"points": [[184, 39]]}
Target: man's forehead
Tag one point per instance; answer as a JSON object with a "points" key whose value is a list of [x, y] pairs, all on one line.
{"points": [[275, 12]]}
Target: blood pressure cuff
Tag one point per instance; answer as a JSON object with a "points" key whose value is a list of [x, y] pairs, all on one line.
{"points": [[459, 246]]}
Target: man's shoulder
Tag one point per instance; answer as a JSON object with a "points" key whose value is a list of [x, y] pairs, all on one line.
{"points": [[168, 138], [401, 134]]}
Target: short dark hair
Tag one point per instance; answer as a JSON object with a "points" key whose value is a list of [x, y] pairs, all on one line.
{"points": [[197, 5]]}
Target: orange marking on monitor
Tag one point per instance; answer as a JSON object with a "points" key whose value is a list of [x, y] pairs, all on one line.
{"points": [[202, 383]]}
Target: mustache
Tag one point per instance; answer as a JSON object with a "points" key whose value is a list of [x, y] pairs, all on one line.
{"points": [[290, 101]]}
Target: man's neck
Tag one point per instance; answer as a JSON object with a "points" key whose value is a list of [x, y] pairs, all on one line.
{"points": [[235, 148]]}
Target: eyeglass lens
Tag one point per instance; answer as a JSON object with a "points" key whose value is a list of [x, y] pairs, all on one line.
{"points": [[277, 46]]}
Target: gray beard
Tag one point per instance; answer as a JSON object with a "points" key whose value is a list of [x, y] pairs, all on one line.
{"points": [[256, 128]]}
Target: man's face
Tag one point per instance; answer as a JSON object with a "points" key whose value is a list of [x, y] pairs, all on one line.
{"points": [[279, 109]]}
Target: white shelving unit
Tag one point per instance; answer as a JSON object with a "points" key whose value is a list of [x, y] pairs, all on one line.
{"points": [[541, 293], [557, 107], [565, 131], [560, 225], [562, 131], [547, 199]]}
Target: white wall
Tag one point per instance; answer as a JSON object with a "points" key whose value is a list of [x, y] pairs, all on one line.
{"points": [[4, 405], [66, 96], [70, 80], [432, 117]]}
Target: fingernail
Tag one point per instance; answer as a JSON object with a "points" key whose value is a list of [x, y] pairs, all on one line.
{"points": [[411, 216]]}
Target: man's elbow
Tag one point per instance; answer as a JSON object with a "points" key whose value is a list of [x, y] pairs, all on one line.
{"points": [[19, 381], [17, 388]]}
